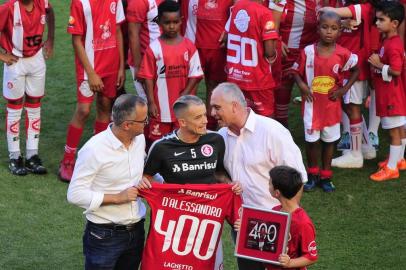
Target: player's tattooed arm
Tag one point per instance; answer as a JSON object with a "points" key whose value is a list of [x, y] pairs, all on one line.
{"points": [[95, 82], [134, 30], [120, 44], [49, 43]]}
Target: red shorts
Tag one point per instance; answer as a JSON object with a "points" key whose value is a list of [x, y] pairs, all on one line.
{"points": [[85, 95], [156, 129], [261, 102], [213, 63]]}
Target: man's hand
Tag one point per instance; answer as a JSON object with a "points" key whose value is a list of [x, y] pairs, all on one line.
{"points": [[120, 78], [153, 110], [48, 48], [223, 40], [144, 183], [8, 59], [237, 225], [350, 24], [306, 93], [375, 61], [95, 82], [284, 259], [128, 195], [285, 49], [237, 187], [336, 94]]}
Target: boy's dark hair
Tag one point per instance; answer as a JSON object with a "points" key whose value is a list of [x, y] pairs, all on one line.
{"points": [[287, 180], [167, 6], [393, 9]]}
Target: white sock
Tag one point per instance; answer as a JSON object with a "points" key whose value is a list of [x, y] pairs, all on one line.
{"points": [[394, 153], [402, 151], [33, 126], [356, 137], [346, 122], [374, 120], [13, 129]]}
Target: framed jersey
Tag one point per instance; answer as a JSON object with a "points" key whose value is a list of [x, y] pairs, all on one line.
{"points": [[263, 234]]}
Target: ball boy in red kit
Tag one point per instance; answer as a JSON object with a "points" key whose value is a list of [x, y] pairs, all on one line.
{"points": [[389, 81], [99, 58], [22, 25]]}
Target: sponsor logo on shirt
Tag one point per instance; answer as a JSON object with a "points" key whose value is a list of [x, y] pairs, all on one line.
{"points": [[242, 20], [71, 22], [207, 150], [176, 266], [270, 25], [113, 8], [323, 84], [184, 167], [198, 194]]}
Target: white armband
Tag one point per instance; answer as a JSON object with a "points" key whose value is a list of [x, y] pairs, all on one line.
{"points": [[385, 75]]}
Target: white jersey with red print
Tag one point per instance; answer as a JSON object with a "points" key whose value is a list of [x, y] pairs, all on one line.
{"points": [[250, 24], [96, 22], [186, 224], [144, 12], [323, 75], [170, 67], [205, 21], [299, 22], [21, 31], [302, 238]]}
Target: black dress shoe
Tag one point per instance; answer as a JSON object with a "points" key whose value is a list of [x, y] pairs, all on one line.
{"points": [[17, 167], [34, 165]]}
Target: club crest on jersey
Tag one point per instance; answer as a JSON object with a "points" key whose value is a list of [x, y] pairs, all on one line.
{"points": [[186, 56], [106, 30], [211, 4], [336, 68], [242, 20], [312, 248], [43, 19], [207, 150], [113, 8]]}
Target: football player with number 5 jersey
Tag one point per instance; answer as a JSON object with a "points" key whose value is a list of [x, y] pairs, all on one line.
{"points": [[22, 25]]}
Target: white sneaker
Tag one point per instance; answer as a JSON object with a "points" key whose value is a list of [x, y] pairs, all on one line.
{"points": [[368, 151], [348, 160]]}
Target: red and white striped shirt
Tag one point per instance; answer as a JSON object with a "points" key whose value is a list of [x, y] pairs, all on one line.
{"points": [[205, 20], [96, 22], [144, 12], [170, 67], [299, 22], [22, 31]]}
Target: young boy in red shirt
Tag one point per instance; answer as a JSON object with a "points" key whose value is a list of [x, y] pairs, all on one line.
{"points": [[389, 79], [318, 75], [22, 26], [170, 68], [99, 57]]}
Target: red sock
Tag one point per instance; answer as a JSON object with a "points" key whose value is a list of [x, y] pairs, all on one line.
{"points": [[326, 174], [100, 126], [72, 141], [313, 170]]}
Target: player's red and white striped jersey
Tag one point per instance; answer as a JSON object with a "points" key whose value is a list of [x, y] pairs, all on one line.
{"points": [[144, 12], [22, 31], [186, 224], [323, 75], [96, 22], [170, 67], [250, 24], [299, 23], [205, 20]]}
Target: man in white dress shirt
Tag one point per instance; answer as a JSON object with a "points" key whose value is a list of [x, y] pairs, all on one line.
{"points": [[108, 169], [254, 145]]}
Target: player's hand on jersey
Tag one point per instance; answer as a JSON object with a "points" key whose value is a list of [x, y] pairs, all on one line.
{"points": [[285, 49], [307, 95], [8, 59], [48, 48], [153, 110], [375, 61], [237, 225], [223, 40], [237, 187], [120, 78], [145, 183], [128, 195], [95, 82], [284, 259], [336, 94]]}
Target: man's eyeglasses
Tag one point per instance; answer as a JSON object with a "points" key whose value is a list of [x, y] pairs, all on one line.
{"points": [[145, 121]]}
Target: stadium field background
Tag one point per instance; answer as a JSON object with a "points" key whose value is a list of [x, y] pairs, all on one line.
{"points": [[361, 226]]}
